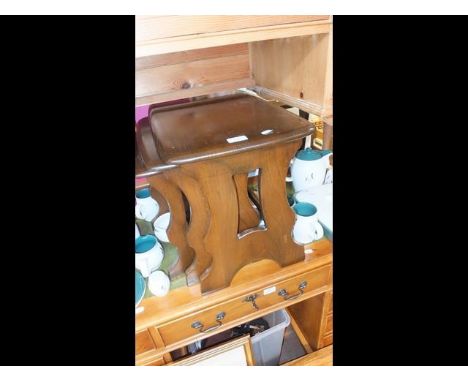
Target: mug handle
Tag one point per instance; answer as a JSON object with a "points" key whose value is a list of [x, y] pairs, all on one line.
{"points": [[318, 231]]}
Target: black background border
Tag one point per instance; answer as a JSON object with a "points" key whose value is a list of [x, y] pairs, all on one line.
{"points": [[67, 146]]}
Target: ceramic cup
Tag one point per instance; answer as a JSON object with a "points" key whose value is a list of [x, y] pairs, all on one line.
{"points": [[160, 227], [307, 227], [158, 283], [148, 254], [146, 207]]}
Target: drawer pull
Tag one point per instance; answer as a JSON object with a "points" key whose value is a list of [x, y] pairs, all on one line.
{"points": [[286, 296], [251, 299], [198, 325]]}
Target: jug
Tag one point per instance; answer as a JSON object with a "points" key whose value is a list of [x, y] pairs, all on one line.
{"points": [[148, 254], [309, 168], [307, 227], [146, 207]]}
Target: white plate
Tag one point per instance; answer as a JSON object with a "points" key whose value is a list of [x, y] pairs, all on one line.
{"points": [[141, 281]]}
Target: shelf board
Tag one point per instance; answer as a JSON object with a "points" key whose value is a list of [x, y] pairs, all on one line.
{"points": [[149, 43]]}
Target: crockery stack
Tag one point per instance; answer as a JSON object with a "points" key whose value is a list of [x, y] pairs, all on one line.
{"points": [[202, 157], [149, 253], [310, 171]]}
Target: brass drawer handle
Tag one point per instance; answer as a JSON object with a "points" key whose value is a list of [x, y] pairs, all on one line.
{"points": [[252, 299], [286, 296], [198, 325]]}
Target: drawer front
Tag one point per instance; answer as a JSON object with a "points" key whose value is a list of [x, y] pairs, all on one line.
{"points": [[143, 342], [204, 322], [329, 324], [218, 318]]}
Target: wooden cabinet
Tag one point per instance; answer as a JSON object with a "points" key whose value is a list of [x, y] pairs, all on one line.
{"points": [[288, 61], [235, 311], [169, 319]]}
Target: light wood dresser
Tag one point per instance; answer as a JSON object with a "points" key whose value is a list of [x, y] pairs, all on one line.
{"points": [[286, 60]]}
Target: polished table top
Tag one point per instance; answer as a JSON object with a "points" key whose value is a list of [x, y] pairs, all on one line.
{"points": [[217, 127]]}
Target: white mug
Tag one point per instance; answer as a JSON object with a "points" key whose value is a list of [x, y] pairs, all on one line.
{"points": [[307, 227], [160, 227], [146, 207], [158, 283], [148, 254]]}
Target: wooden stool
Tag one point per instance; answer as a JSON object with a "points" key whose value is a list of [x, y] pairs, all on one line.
{"points": [[203, 153]]}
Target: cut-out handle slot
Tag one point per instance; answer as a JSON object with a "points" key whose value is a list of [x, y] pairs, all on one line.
{"points": [[250, 215]]}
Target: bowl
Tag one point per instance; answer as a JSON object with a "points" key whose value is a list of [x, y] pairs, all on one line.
{"points": [[158, 283]]}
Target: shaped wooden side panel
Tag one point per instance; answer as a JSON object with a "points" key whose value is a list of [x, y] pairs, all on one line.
{"points": [[222, 246], [176, 231], [198, 226], [249, 216]]}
